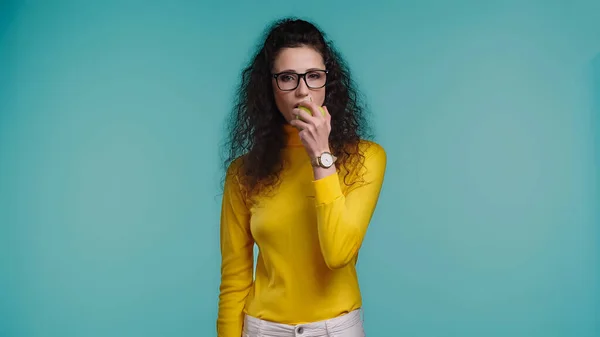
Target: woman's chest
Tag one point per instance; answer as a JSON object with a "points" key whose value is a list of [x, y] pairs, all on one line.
{"points": [[288, 211]]}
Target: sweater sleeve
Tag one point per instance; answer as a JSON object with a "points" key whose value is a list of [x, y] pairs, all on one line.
{"points": [[236, 259], [342, 220]]}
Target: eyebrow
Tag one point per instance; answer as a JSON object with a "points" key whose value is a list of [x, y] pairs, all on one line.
{"points": [[293, 71]]}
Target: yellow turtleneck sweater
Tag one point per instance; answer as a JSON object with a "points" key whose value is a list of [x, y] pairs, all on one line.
{"points": [[308, 233]]}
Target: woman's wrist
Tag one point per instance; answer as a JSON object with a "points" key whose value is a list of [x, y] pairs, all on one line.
{"points": [[319, 171]]}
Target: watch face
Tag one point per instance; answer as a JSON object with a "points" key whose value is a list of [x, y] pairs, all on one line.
{"points": [[327, 159]]}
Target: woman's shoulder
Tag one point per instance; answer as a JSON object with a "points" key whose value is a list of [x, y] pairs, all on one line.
{"points": [[371, 156], [371, 150], [235, 163], [233, 170], [368, 165]]}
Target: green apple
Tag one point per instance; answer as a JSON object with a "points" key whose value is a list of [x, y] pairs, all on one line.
{"points": [[308, 110]]}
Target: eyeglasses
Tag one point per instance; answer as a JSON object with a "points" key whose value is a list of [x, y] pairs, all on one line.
{"points": [[288, 81]]}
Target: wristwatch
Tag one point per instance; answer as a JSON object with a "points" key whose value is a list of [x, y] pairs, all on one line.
{"points": [[325, 160]]}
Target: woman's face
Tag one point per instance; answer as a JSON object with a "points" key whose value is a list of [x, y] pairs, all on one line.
{"points": [[289, 63]]}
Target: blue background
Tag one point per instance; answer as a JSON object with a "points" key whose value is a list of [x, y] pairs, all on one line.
{"points": [[111, 116]]}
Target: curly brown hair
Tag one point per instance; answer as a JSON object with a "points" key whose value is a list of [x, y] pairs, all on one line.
{"points": [[256, 134]]}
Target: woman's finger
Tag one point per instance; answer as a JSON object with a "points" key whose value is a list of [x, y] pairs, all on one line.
{"points": [[327, 114], [315, 109], [299, 124], [303, 115]]}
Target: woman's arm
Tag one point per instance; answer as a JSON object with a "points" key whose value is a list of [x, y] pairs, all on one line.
{"points": [[236, 259], [343, 219]]}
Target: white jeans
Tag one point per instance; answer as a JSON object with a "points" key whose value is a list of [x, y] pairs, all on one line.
{"points": [[348, 325]]}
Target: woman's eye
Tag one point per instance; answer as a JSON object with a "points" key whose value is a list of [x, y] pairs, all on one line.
{"points": [[288, 77], [314, 76]]}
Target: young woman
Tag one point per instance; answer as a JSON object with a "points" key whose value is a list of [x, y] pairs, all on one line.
{"points": [[302, 184]]}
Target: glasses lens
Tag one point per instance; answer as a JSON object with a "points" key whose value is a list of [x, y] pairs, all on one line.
{"points": [[316, 79], [287, 81]]}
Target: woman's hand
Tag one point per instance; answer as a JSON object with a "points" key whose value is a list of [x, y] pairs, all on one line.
{"points": [[314, 134], [314, 130]]}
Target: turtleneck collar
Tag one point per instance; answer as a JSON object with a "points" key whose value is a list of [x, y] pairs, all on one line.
{"points": [[293, 136]]}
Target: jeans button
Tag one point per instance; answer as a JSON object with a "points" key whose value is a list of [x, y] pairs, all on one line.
{"points": [[300, 330]]}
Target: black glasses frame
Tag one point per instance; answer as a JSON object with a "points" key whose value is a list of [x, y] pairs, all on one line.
{"points": [[303, 76]]}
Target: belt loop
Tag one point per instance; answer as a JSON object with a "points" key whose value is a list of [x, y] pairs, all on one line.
{"points": [[327, 332]]}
